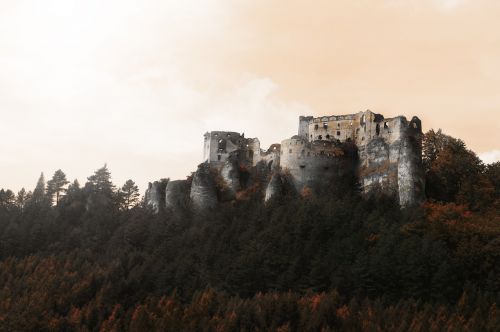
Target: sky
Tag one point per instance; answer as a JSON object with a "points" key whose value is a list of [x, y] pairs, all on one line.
{"points": [[135, 84]]}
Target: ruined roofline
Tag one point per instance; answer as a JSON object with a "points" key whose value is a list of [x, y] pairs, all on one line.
{"points": [[378, 117], [232, 134]]}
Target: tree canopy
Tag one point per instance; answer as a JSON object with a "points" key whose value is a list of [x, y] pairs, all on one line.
{"points": [[99, 260]]}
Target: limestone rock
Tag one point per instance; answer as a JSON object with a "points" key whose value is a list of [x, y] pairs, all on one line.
{"points": [[155, 194], [203, 189], [274, 187], [176, 195]]}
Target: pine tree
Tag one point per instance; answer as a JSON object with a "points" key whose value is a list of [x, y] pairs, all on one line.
{"points": [[7, 198], [55, 186], [39, 196], [129, 195], [22, 198], [101, 181], [100, 189]]}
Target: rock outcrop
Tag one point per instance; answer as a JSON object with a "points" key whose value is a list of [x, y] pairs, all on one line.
{"points": [[155, 194], [274, 187], [203, 192], [177, 195]]}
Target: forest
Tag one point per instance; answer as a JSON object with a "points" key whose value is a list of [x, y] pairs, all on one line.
{"points": [[94, 257]]}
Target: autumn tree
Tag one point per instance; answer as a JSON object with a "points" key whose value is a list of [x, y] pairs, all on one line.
{"points": [[452, 171]]}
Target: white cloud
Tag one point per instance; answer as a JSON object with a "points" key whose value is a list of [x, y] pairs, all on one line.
{"points": [[490, 156]]}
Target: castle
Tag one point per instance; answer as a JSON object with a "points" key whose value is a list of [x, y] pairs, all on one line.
{"points": [[385, 154]]}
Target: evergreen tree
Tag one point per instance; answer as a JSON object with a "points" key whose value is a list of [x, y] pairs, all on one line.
{"points": [[129, 195], [100, 188], [55, 186], [22, 198], [7, 198], [39, 196], [101, 181]]}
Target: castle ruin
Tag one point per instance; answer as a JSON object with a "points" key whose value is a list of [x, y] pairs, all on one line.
{"points": [[384, 153]]}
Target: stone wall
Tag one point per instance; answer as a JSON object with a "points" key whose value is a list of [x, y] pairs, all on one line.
{"points": [[310, 164]]}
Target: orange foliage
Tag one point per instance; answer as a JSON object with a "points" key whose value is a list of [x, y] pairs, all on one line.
{"points": [[343, 312]]}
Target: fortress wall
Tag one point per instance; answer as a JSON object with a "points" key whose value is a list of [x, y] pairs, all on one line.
{"points": [[272, 157], [219, 145], [392, 160], [332, 128], [310, 164], [411, 183]]}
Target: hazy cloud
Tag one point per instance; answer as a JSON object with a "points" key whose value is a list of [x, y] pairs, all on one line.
{"points": [[490, 156]]}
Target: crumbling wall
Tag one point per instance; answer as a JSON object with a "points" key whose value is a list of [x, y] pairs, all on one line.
{"points": [[392, 160], [312, 165], [410, 170]]}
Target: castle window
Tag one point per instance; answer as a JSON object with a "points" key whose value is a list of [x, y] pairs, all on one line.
{"points": [[338, 125], [415, 125], [316, 127], [290, 151], [385, 125], [325, 125], [302, 166], [320, 137], [327, 136], [308, 154], [338, 133], [377, 129], [357, 130], [218, 157], [228, 135], [322, 153], [363, 138]]}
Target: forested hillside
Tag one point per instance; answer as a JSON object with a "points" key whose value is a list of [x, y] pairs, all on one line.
{"points": [[92, 257]]}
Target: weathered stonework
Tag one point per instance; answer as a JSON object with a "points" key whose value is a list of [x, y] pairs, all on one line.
{"points": [[384, 153], [155, 194], [177, 195], [203, 192]]}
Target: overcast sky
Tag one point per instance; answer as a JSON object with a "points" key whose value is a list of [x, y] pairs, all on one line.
{"points": [[135, 84]]}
